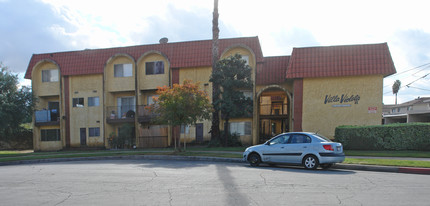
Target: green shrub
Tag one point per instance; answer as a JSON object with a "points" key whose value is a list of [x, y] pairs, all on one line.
{"points": [[401, 136]]}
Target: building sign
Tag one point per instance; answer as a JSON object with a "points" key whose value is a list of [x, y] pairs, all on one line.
{"points": [[341, 99], [372, 109]]}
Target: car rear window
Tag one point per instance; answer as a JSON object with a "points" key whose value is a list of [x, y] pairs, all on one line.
{"points": [[322, 138]]}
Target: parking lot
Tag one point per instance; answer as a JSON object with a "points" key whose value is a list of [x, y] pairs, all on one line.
{"points": [[167, 182]]}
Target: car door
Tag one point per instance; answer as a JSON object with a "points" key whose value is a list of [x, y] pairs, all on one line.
{"points": [[274, 149], [297, 146]]}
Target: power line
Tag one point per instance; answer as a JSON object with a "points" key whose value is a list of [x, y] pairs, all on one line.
{"points": [[427, 65], [421, 70], [411, 69], [409, 85], [418, 79], [419, 88]]}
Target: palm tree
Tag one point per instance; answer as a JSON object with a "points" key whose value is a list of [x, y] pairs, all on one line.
{"points": [[396, 87], [215, 36]]}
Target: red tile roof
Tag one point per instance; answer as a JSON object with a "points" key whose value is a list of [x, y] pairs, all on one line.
{"points": [[346, 60], [273, 70], [180, 54]]}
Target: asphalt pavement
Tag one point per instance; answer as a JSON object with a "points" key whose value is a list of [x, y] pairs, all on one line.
{"points": [[376, 168]]}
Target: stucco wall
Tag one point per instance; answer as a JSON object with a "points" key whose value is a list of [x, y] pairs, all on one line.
{"points": [[201, 75], [86, 117], [39, 145], [115, 84], [333, 101], [151, 81], [44, 88]]}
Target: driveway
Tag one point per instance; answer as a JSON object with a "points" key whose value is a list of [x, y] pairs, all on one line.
{"points": [[165, 182]]}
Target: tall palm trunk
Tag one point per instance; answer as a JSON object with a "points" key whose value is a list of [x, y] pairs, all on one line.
{"points": [[215, 87]]}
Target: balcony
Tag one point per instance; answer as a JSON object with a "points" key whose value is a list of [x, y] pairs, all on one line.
{"points": [[120, 114], [47, 117], [145, 115], [274, 110]]}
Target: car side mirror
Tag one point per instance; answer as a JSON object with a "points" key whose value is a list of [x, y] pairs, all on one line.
{"points": [[267, 143]]}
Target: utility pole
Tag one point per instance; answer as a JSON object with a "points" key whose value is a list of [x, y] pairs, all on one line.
{"points": [[215, 133]]}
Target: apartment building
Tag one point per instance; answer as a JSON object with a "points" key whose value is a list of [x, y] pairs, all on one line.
{"points": [[417, 110], [86, 96]]}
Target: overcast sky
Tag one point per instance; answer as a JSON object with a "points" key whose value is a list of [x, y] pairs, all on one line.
{"points": [[41, 26]]}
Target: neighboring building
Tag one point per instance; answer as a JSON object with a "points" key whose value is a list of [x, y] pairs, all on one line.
{"points": [[417, 110], [85, 96]]}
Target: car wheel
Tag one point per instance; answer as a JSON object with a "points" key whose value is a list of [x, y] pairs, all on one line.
{"points": [[310, 162], [254, 160], [326, 166]]}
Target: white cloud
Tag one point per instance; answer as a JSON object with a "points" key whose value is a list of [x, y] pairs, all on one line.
{"points": [[58, 25]]}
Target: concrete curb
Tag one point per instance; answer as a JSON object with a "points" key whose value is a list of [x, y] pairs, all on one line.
{"points": [[375, 168]]}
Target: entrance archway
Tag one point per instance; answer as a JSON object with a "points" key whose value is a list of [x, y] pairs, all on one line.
{"points": [[274, 112]]}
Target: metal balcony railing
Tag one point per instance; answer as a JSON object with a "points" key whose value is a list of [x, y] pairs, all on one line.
{"points": [[120, 113], [145, 114], [273, 109], [43, 117]]}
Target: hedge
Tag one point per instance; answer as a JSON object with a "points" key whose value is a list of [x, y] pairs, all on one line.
{"points": [[400, 136]]}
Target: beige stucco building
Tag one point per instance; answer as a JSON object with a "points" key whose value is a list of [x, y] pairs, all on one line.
{"points": [[86, 96]]}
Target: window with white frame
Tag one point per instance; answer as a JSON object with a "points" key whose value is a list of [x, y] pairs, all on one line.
{"points": [[247, 94], [123, 70], [246, 58], [93, 101], [240, 128], [185, 129], [94, 131], [150, 99], [156, 67], [50, 75], [126, 106]]}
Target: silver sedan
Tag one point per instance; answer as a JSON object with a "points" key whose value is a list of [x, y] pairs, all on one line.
{"points": [[298, 148]]}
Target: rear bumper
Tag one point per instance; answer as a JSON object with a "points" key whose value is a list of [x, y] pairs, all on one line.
{"points": [[332, 157]]}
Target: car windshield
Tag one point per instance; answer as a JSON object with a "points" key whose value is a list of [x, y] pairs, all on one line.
{"points": [[322, 138]]}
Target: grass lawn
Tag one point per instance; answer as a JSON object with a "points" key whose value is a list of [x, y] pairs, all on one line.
{"points": [[419, 154], [388, 162]]}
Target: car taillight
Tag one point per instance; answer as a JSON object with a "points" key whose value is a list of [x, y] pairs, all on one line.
{"points": [[328, 147]]}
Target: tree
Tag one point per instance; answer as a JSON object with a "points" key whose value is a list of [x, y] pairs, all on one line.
{"points": [[215, 36], [16, 105], [396, 88], [181, 105], [232, 75]]}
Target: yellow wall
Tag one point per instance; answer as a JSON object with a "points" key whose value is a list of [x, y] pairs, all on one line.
{"points": [[152, 81], [85, 117], [323, 118], [245, 139], [198, 75], [115, 84], [46, 145], [45, 92], [44, 88]]}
